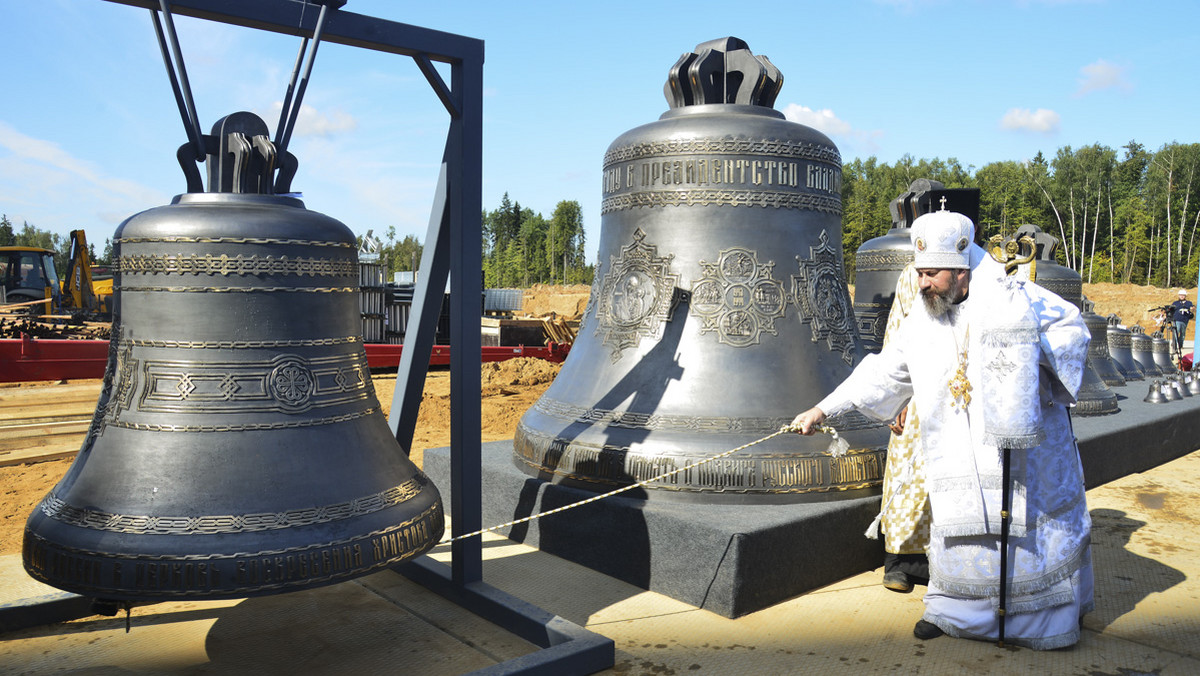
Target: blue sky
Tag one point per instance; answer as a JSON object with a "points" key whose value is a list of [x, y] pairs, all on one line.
{"points": [[88, 125]]}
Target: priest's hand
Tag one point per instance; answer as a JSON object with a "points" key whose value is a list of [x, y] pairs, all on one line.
{"points": [[897, 426], [806, 423]]}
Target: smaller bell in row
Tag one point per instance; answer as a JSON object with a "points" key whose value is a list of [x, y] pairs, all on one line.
{"points": [[1142, 350], [1120, 347]]}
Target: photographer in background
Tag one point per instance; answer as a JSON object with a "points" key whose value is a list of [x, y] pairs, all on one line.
{"points": [[1182, 311]]}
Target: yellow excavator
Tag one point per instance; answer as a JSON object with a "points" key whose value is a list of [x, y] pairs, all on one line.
{"points": [[28, 275]]}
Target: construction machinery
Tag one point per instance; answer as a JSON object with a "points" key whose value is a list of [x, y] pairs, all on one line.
{"points": [[28, 274]]}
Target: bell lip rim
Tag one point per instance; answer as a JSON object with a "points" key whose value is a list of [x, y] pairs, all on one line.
{"points": [[194, 198]]}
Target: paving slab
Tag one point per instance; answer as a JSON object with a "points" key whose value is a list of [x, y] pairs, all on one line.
{"points": [[736, 559], [1146, 554], [381, 623]]}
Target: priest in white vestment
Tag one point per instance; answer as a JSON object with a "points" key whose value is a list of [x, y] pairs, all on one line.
{"points": [[989, 363]]}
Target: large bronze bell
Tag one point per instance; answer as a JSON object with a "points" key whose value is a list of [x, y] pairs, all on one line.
{"points": [[719, 308], [879, 261], [237, 448]]}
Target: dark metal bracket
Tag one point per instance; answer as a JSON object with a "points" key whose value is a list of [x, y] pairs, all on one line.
{"points": [[452, 252]]}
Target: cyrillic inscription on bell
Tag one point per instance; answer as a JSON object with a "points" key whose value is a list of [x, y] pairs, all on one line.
{"points": [[719, 306], [237, 448]]}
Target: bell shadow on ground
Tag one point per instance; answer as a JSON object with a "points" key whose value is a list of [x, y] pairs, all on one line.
{"points": [[1123, 578], [346, 628], [568, 535]]}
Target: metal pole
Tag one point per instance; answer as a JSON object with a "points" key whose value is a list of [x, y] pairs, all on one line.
{"points": [[1005, 506], [183, 93], [312, 56], [291, 89], [466, 474]]}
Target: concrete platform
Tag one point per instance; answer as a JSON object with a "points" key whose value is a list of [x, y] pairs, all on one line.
{"points": [[728, 559], [1147, 620], [739, 559]]}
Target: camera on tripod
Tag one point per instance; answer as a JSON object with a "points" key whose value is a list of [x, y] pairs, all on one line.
{"points": [[1165, 309]]}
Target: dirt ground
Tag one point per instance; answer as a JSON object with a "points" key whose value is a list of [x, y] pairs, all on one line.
{"points": [[567, 302], [509, 389]]}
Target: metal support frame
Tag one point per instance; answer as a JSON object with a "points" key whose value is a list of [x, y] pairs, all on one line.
{"points": [[452, 248]]}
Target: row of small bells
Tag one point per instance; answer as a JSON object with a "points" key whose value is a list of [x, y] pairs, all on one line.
{"points": [[1173, 388], [1133, 356]]}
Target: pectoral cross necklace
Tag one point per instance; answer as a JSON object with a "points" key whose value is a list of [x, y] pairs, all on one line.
{"points": [[960, 387]]}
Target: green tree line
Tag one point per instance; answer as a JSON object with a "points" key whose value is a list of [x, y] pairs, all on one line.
{"points": [[522, 248], [1125, 215], [31, 235]]}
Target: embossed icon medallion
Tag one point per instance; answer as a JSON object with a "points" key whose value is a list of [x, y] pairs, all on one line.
{"points": [[737, 298], [635, 296], [820, 292], [291, 383]]}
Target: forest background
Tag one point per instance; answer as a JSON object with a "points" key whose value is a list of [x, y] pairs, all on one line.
{"points": [[1127, 216]]}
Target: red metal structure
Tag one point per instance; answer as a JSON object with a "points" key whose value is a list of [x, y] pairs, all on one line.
{"points": [[27, 358]]}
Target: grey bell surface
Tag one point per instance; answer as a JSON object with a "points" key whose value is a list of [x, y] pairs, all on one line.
{"points": [[237, 448], [1120, 345], [1098, 354], [719, 308], [1141, 348], [1160, 353], [1181, 385]]}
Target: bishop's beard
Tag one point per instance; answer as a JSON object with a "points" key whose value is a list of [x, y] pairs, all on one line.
{"points": [[938, 304]]}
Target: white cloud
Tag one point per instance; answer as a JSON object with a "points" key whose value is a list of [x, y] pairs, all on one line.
{"points": [[822, 120], [316, 124], [827, 122], [1101, 74], [46, 158], [1042, 121], [54, 190]]}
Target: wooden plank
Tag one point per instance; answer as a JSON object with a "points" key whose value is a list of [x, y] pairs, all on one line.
{"points": [[70, 436], [17, 409], [37, 455], [14, 418]]}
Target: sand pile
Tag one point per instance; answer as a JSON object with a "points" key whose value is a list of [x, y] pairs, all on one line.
{"points": [[564, 302], [505, 377]]}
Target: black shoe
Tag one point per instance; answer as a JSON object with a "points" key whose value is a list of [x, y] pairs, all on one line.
{"points": [[897, 581], [927, 630]]}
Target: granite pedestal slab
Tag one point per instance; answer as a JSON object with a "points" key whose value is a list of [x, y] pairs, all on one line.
{"points": [[728, 559], [1140, 436], [736, 559]]}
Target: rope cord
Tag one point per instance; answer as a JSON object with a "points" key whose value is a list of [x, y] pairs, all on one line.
{"points": [[782, 430]]}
